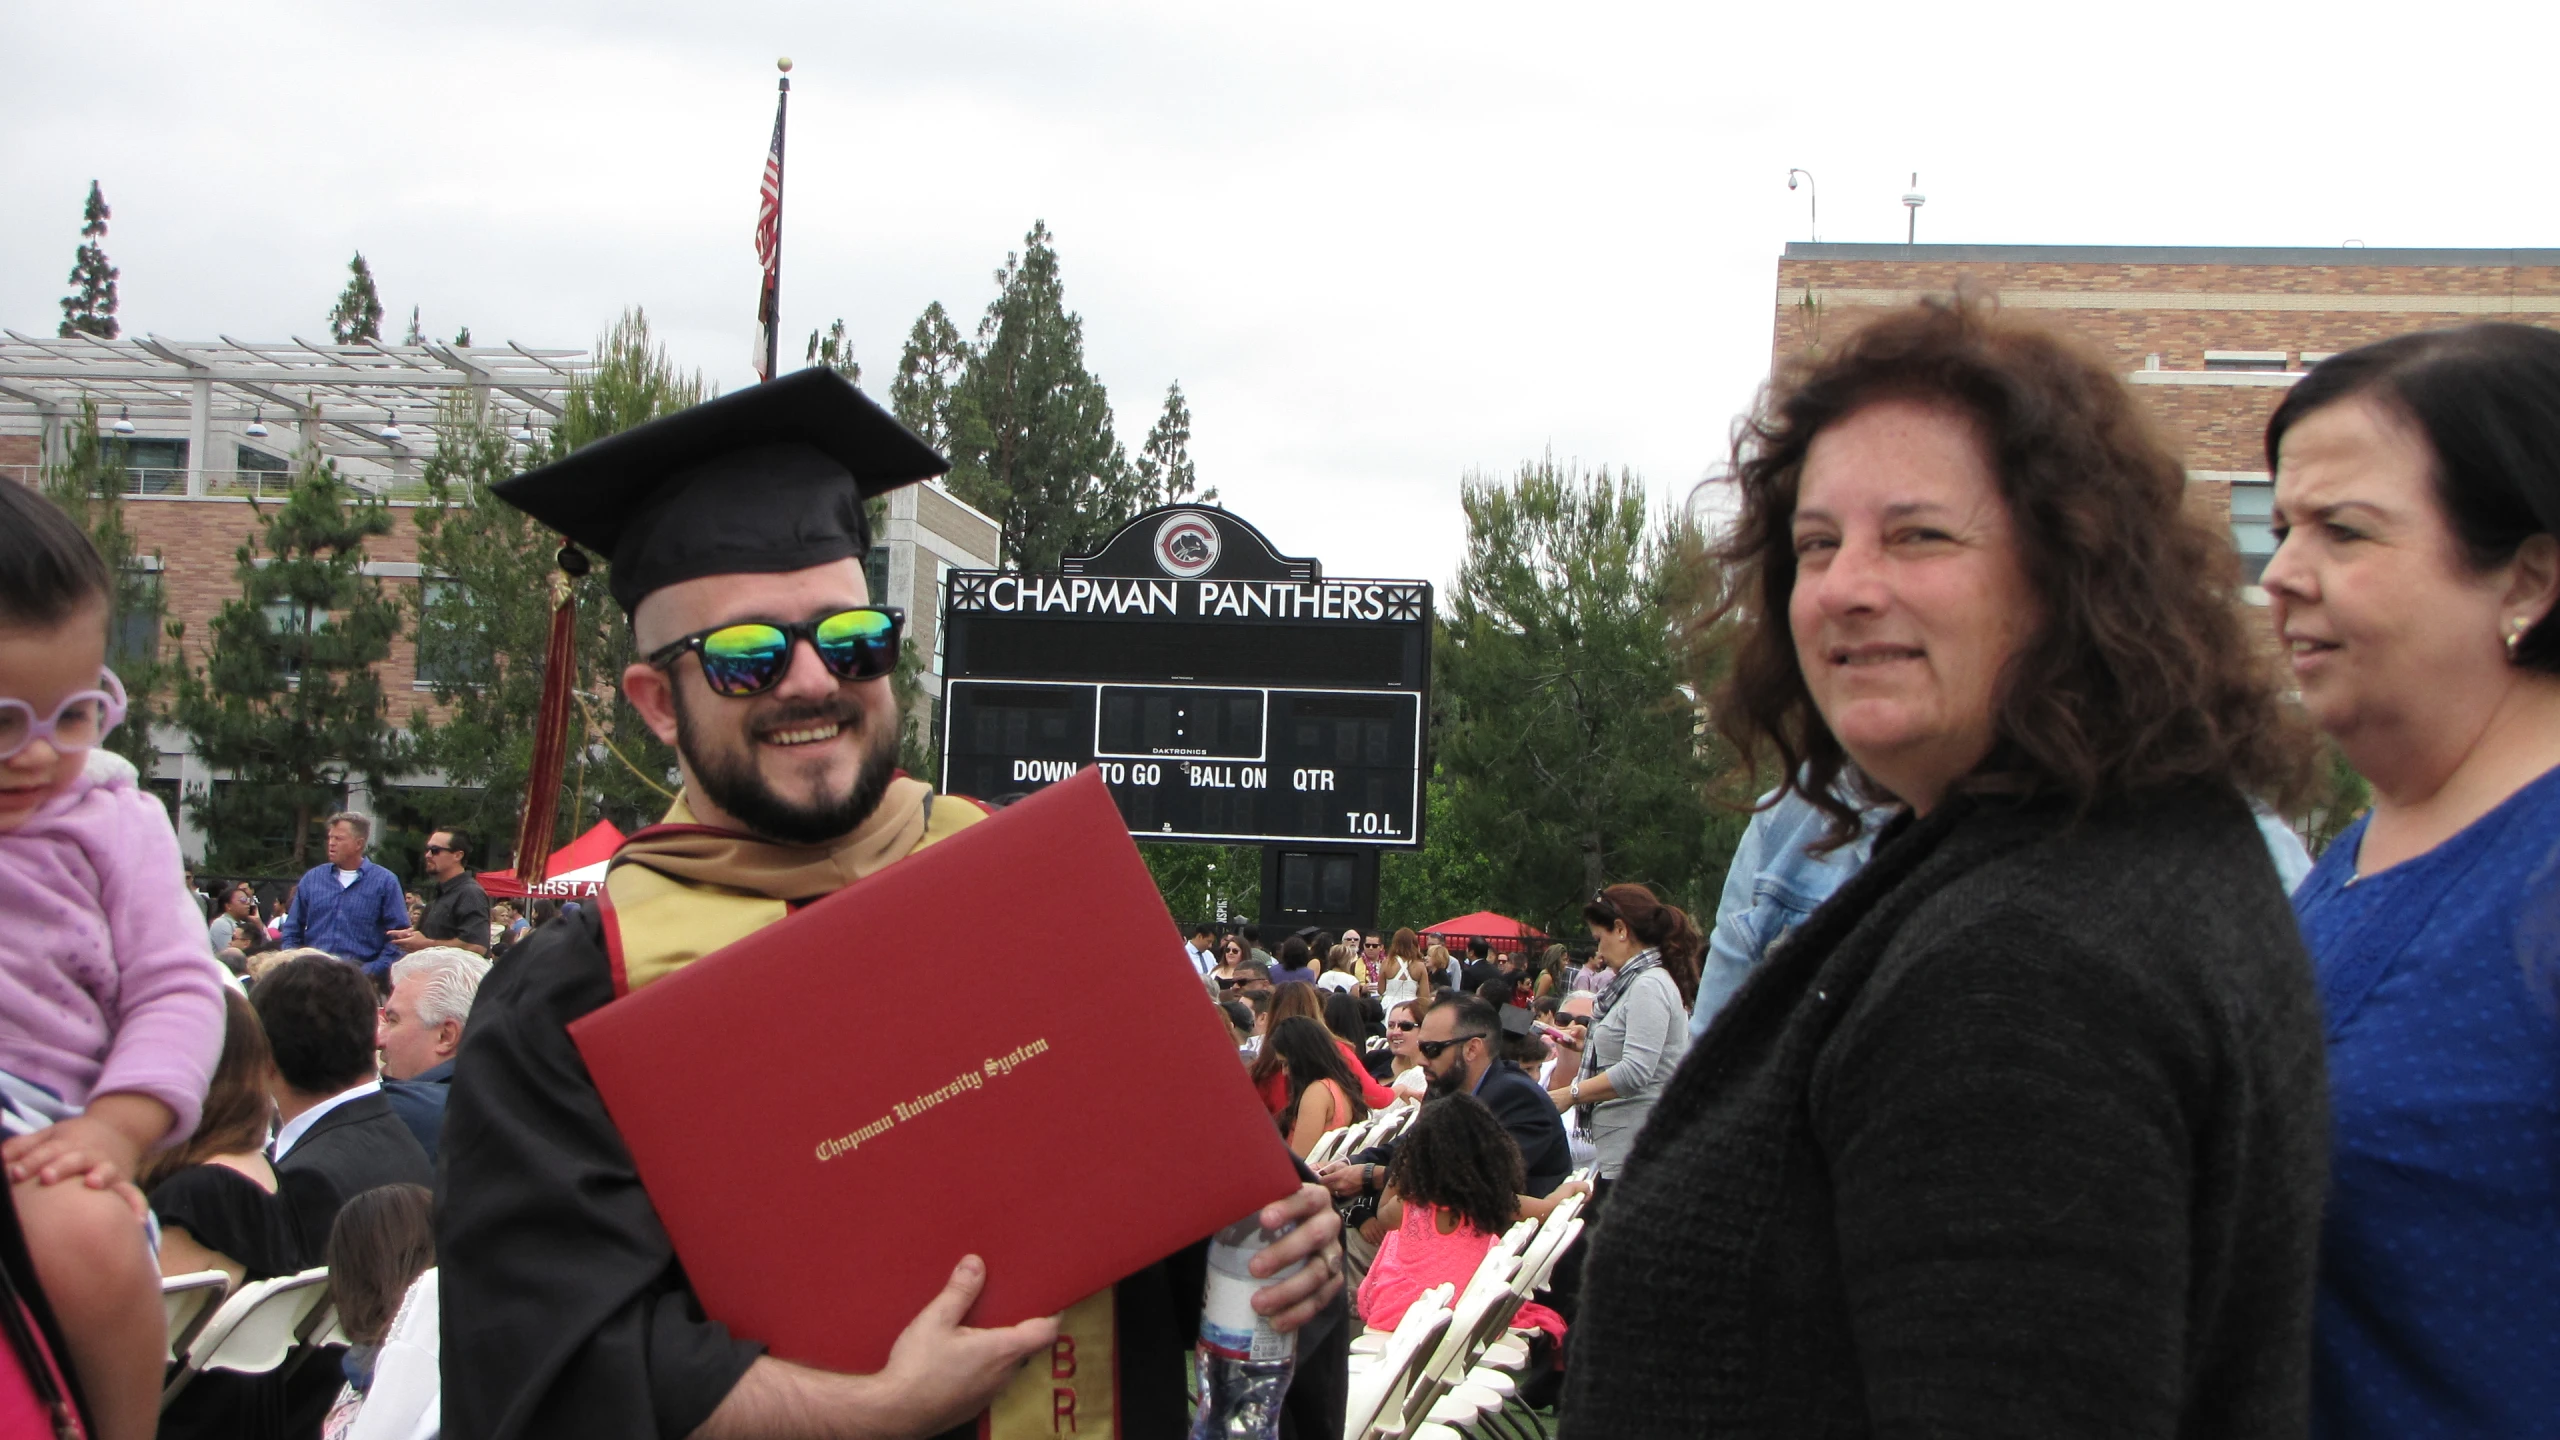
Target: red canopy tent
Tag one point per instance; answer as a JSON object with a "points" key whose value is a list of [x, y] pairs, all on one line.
{"points": [[576, 869], [1499, 931]]}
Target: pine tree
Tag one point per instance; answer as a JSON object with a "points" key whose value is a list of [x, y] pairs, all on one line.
{"points": [[358, 313], [462, 337], [834, 349], [90, 308], [483, 625], [415, 336], [1032, 443], [929, 373], [1165, 474], [632, 381], [1572, 753], [288, 705], [89, 484]]}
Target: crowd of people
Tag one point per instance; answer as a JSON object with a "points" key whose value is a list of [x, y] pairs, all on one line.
{"points": [[2031, 1078], [347, 906]]}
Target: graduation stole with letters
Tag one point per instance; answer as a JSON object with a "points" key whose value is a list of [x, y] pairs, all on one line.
{"points": [[679, 890]]}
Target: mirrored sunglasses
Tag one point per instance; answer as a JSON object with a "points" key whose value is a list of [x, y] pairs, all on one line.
{"points": [[751, 657], [81, 722]]}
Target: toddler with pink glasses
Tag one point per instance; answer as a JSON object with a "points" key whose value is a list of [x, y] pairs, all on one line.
{"points": [[110, 1003]]}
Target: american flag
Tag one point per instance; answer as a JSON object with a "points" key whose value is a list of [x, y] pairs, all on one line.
{"points": [[769, 248]]}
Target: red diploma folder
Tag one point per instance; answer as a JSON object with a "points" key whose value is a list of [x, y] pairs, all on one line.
{"points": [[830, 1113]]}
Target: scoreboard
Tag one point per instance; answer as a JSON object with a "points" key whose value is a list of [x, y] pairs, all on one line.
{"points": [[1196, 762], [1248, 700]]}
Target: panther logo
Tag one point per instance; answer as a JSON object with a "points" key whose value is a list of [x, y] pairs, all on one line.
{"points": [[1186, 545]]}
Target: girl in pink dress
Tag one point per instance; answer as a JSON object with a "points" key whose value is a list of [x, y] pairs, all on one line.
{"points": [[1452, 1189]]}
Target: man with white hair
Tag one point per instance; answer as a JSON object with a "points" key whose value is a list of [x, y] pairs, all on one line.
{"points": [[420, 1029]]}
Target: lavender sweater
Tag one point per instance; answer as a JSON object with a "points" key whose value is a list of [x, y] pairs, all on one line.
{"points": [[106, 982]]}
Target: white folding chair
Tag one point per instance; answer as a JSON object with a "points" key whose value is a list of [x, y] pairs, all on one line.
{"points": [[255, 1330], [1377, 1390], [1450, 1361], [189, 1301], [1510, 1350], [1327, 1146], [326, 1327]]}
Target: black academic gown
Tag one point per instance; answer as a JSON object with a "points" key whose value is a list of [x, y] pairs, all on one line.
{"points": [[565, 1313]]}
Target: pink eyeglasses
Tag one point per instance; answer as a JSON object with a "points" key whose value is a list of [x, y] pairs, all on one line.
{"points": [[79, 723]]}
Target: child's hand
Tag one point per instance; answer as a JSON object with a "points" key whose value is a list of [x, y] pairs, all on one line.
{"points": [[101, 1145]]}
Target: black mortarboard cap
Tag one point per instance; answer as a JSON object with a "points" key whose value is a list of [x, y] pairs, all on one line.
{"points": [[761, 480]]}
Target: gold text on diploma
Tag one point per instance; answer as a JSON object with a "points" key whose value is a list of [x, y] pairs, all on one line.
{"points": [[961, 1084]]}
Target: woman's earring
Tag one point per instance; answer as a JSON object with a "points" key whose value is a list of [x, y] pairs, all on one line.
{"points": [[2516, 629]]}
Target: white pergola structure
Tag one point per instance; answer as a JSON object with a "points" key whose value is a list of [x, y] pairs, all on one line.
{"points": [[371, 408]]}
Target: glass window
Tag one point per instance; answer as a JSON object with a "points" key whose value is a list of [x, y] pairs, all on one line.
{"points": [[253, 458], [941, 589], [2257, 360], [875, 574], [284, 617], [152, 467], [451, 644], [134, 639], [2253, 504]]}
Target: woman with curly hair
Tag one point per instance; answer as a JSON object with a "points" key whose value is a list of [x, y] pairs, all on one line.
{"points": [[2023, 1131], [1320, 1089]]}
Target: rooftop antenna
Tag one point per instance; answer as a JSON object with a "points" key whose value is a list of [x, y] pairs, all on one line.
{"points": [[1912, 200]]}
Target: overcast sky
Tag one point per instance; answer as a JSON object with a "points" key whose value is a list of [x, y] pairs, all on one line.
{"points": [[1381, 246]]}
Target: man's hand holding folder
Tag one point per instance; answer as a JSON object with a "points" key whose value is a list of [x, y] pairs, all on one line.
{"points": [[941, 1371]]}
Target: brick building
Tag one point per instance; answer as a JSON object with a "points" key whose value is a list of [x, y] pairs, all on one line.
{"points": [[2211, 336]]}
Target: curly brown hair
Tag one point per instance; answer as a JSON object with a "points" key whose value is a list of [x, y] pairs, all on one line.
{"points": [[2138, 674], [1457, 1157]]}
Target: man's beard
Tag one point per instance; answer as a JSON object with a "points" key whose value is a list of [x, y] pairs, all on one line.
{"points": [[729, 778], [1441, 1087]]}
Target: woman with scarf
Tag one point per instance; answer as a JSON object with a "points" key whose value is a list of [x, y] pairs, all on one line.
{"points": [[1640, 1027]]}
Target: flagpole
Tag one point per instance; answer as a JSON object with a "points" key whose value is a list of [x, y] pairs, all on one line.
{"points": [[781, 114]]}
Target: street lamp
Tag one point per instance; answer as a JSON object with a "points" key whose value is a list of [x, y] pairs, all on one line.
{"points": [[1812, 200], [1912, 200]]}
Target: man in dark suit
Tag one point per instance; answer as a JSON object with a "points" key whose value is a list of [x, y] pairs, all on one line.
{"points": [[1459, 1041], [1479, 967], [339, 1136]]}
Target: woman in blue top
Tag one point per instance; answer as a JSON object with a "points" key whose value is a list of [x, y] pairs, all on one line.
{"points": [[2417, 499]]}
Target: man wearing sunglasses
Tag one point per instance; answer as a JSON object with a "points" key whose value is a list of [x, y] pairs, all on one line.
{"points": [[737, 536], [1459, 1043], [459, 915]]}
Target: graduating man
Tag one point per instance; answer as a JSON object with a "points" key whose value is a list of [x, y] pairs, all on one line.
{"points": [[737, 536]]}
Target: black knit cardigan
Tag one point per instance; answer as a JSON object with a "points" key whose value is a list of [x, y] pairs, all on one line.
{"points": [[2023, 1134]]}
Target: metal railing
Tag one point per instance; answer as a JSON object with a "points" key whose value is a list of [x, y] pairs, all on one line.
{"points": [[155, 481]]}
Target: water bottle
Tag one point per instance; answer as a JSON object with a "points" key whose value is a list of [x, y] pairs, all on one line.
{"points": [[1244, 1364]]}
